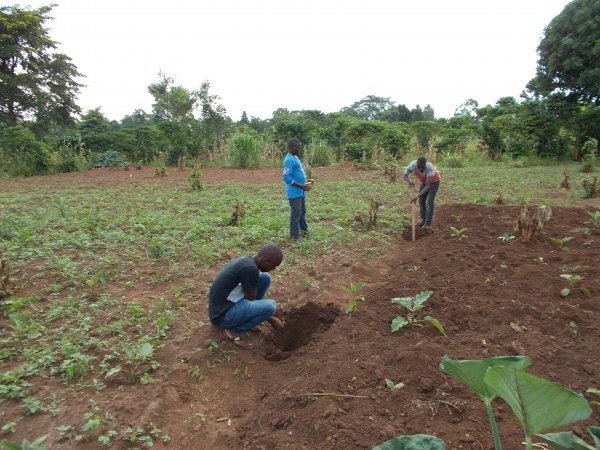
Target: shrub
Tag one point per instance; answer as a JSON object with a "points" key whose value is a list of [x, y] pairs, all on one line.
{"points": [[244, 151], [23, 153], [454, 160], [110, 158], [357, 151]]}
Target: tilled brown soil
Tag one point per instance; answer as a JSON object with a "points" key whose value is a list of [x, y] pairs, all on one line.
{"points": [[320, 383]]}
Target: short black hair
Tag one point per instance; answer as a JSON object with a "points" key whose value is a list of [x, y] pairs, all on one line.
{"points": [[294, 142], [421, 161]]}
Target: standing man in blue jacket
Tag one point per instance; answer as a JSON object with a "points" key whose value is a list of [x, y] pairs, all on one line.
{"points": [[296, 186]]}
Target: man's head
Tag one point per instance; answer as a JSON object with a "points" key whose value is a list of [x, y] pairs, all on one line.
{"points": [[421, 162], [294, 146], [268, 257]]}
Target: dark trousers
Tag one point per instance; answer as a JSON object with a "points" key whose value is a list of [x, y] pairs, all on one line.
{"points": [[427, 202], [297, 216]]}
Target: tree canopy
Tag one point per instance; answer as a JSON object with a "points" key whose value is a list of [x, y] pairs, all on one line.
{"points": [[569, 54], [37, 82]]}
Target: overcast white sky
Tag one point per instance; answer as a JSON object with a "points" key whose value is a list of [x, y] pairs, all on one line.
{"points": [[260, 55]]}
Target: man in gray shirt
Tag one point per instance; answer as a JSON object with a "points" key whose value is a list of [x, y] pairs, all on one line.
{"points": [[430, 180]]}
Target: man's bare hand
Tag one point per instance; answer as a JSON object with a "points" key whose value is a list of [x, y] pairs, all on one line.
{"points": [[276, 323], [280, 314]]}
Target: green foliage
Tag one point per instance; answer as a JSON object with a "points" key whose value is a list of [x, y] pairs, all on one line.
{"points": [[413, 306], [110, 158], [568, 54], [24, 445], [244, 151], [38, 83], [413, 442], [318, 153], [357, 152], [538, 404], [574, 282], [354, 301], [453, 160], [21, 153], [458, 233], [195, 180], [568, 440]]}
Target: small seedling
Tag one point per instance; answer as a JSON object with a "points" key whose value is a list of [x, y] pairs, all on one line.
{"points": [[574, 281], [458, 233], [413, 305], [596, 392], [457, 217], [355, 299], [393, 386], [595, 219], [562, 242], [506, 237]]}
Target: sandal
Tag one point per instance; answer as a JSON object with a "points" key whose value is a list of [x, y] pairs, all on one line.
{"points": [[240, 340]]}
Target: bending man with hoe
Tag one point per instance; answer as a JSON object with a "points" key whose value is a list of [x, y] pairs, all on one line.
{"points": [[430, 179], [235, 300]]}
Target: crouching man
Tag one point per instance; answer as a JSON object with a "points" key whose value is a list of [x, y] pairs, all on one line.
{"points": [[236, 302]]}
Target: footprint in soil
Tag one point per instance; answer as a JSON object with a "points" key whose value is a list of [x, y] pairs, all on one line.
{"points": [[300, 326]]}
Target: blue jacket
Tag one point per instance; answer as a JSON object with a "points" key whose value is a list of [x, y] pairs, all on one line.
{"points": [[293, 171]]}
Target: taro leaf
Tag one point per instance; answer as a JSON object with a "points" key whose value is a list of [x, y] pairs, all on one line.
{"points": [[539, 404], [413, 442], [471, 372], [595, 432], [422, 296], [436, 323], [407, 302], [398, 323], [565, 292], [564, 441]]}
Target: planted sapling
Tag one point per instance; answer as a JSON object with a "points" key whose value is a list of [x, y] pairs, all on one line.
{"points": [[355, 299], [562, 242], [413, 305], [574, 281], [393, 386], [458, 233]]}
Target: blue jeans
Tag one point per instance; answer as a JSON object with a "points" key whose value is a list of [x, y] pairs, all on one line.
{"points": [[297, 216], [427, 202], [247, 313]]}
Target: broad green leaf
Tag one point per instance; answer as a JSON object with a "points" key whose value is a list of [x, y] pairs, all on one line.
{"points": [[436, 323], [398, 323], [539, 404], [471, 372], [594, 391], [413, 442], [404, 301], [113, 371], [565, 292], [564, 441], [595, 432], [422, 296], [389, 383], [7, 445]]}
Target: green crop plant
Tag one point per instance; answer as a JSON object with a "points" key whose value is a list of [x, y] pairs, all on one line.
{"points": [[393, 386], [539, 405], [458, 233], [574, 282], [354, 299], [595, 219], [24, 445], [562, 242], [413, 306], [567, 440], [506, 237], [195, 180]]}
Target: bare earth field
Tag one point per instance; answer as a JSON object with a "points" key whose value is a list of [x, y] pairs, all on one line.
{"points": [[320, 383]]}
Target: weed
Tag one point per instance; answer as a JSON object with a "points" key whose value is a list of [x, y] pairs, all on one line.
{"points": [[458, 233], [355, 299], [574, 281], [413, 305], [195, 372]]}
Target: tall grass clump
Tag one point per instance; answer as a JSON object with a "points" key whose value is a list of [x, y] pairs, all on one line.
{"points": [[453, 160], [319, 153], [244, 151]]}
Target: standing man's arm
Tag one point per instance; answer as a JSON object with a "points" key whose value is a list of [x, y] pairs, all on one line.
{"points": [[288, 169]]}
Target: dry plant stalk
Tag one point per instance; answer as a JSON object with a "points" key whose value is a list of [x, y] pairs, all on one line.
{"points": [[565, 182], [6, 286], [499, 199], [373, 210], [238, 213], [530, 225]]}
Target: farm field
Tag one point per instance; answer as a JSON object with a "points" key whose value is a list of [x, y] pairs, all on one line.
{"points": [[106, 342]]}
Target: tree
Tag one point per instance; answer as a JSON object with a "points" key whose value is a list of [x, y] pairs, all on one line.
{"points": [[369, 108], [569, 54], [172, 102], [23, 152], [37, 83]]}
